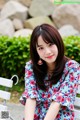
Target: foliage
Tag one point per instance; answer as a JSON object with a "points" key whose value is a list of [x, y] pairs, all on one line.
{"points": [[14, 53], [72, 47]]}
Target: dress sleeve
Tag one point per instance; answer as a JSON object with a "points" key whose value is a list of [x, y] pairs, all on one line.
{"points": [[68, 89], [30, 84]]}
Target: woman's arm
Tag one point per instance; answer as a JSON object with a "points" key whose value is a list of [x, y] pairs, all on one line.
{"points": [[52, 111], [30, 109]]}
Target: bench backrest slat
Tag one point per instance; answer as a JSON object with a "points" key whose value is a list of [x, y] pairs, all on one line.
{"points": [[78, 91], [6, 82], [3, 107], [5, 95]]}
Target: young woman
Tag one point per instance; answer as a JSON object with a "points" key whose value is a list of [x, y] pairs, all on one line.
{"points": [[51, 79]]}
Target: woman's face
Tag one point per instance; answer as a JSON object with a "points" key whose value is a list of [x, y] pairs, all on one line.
{"points": [[47, 51]]}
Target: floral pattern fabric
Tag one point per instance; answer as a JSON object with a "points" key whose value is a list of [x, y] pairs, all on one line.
{"points": [[64, 92]]}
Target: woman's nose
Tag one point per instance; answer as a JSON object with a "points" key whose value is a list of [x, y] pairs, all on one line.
{"points": [[47, 51]]}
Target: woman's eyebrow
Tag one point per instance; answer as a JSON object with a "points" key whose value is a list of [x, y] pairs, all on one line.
{"points": [[39, 45]]}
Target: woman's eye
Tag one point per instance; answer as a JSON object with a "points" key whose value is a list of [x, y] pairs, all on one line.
{"points": [[40, 48], [50, 44]]}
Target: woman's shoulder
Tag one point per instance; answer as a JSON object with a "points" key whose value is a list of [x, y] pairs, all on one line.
{"points": [[29, 65], [72, 67], [72, 64]]}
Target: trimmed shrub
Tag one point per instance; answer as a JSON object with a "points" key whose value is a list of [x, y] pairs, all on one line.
{"points": [[14, 52], [72, 47]]}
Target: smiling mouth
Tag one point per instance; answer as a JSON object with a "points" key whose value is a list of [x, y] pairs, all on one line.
{"points": [[50, 56]]}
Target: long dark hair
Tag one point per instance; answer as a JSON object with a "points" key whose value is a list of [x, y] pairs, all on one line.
{"points": [[51, 35]]}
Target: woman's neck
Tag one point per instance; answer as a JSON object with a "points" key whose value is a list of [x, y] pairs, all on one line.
{"points": [[51, 67]]}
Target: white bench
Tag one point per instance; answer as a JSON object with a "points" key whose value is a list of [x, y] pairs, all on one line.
{"points": [[5, 94], [77, 105]]}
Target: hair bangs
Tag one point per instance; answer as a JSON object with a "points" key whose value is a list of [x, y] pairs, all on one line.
{"points": [[47, 37]]}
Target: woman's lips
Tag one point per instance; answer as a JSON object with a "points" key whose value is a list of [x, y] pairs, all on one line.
{"points": [[50, 56]]}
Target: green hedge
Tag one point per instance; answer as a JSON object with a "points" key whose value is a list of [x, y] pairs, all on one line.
{"points": [[72, 47], [14, 52]]}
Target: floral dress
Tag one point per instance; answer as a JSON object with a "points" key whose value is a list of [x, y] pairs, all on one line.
{"points": [[64, 92]]}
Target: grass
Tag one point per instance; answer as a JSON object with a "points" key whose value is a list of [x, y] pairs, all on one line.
{"points": [[78, 95], [16, 92]]}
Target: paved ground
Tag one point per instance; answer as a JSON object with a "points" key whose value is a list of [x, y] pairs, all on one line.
{"points": [[16, 111]]}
